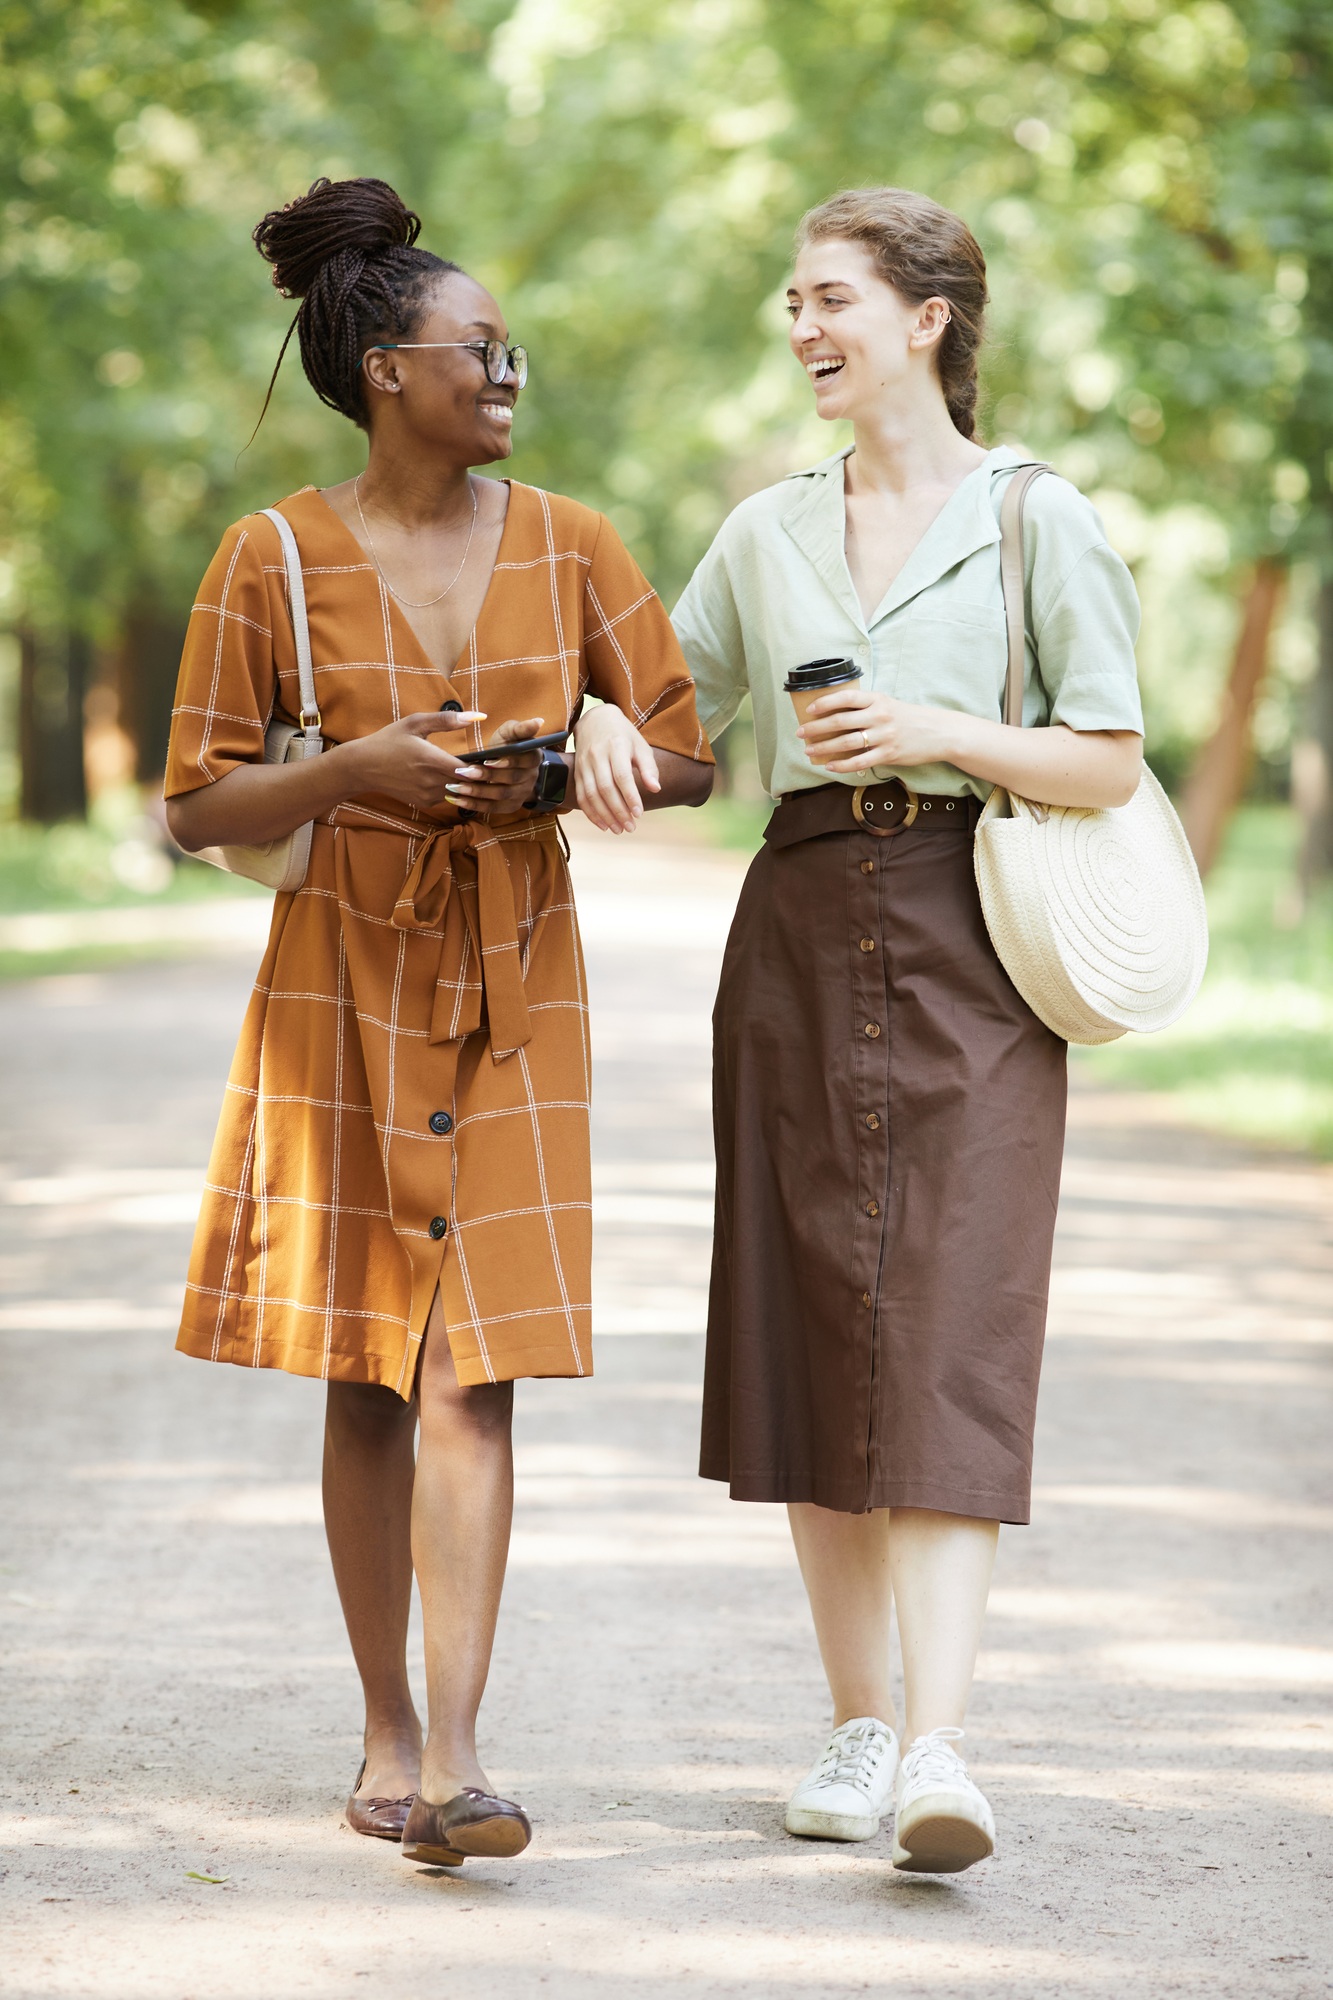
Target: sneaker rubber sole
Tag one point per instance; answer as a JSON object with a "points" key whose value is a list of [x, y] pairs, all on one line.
{"points": [[939, 1839], [810, 1825]]}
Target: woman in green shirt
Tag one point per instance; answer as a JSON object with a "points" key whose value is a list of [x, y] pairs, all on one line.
{"points": [[889, 1113]]}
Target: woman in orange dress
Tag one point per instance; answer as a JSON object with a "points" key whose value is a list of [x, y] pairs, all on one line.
{"points": [[398, 1200]]}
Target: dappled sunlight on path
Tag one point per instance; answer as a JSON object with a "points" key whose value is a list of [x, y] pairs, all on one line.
{"points": [[1152, 1717]]}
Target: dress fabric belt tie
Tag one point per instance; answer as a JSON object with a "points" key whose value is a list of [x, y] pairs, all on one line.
{"points": [[452, 861]]}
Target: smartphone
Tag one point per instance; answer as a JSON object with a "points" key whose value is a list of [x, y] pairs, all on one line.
{"points": [[555, 741]]}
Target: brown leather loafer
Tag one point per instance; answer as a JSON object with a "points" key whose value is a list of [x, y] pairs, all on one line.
{"points": [[472, 1822], [383, 1819]]}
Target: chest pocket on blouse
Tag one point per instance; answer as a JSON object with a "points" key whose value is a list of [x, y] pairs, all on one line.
{"points": [[950, 654]]}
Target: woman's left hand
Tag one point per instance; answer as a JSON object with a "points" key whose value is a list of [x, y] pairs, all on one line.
{"points": [[494, 789], [853, 730]]}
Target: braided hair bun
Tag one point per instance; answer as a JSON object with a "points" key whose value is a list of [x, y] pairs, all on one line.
{"points": [[347, 251], [334, 219]]}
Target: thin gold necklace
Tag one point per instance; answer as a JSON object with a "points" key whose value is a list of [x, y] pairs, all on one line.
{"points": [[413, 603]]}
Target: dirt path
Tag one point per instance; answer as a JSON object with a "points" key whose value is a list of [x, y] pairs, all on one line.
{"points": [[1152, 1719]]}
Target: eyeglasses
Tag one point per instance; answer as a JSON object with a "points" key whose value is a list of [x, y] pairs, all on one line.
{"points": [[498, 358]]}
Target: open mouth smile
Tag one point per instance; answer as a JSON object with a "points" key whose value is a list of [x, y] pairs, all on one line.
{"points": [[823, 366], [500, 413]]}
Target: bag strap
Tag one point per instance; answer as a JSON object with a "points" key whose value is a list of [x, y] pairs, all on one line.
{"points": [[1014, 585], [311, 720]]}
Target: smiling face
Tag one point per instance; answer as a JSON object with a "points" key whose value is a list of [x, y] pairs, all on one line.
{"points": [[860, 342], [442, 395]]}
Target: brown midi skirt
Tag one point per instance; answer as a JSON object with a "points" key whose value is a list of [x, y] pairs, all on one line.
{"points": [[889, 1119]]}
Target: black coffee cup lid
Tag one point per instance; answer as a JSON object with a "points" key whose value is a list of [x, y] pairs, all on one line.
{"points": [[820, 674]]}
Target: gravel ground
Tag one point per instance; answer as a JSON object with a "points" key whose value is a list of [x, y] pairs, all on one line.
{"points": [[1152, 1709]]}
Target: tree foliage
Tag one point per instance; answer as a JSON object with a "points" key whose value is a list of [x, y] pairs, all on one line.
{"points": [[1152, 181]]}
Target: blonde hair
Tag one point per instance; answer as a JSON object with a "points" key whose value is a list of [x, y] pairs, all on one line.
{"points": [[925, 252]]}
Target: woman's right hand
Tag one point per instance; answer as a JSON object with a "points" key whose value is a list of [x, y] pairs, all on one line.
{"points": [[611, 761], [398, 761]]}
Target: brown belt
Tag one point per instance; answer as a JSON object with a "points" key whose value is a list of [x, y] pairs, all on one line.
{"points": [[881, 809]]}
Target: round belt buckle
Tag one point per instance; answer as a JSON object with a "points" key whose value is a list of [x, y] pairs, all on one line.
{"points": [[860, 809]]}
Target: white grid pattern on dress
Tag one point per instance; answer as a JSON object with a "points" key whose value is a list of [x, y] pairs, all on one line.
{"points": [[330, 1102]]}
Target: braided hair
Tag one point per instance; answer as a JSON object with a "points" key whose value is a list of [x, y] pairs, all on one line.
{"points": [[923, 251], [347, 251]]}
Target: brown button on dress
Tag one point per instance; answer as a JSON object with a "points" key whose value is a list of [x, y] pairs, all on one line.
{"points": [[889, 1133], [408, 1105]]}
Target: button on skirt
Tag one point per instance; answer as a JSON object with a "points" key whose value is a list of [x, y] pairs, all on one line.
{"points": [[889, 1119]]}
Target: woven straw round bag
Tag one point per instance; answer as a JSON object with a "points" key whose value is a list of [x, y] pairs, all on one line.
{"points": [[1096, 913]]}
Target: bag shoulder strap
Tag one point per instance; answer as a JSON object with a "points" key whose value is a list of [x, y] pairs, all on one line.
{"points": [[1013, 582], [311, 720]]}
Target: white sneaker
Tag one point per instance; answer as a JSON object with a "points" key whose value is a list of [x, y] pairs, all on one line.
{"points": [[850, 1787], [944, 1823]]}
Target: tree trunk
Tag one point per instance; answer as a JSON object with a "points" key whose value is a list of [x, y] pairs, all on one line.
{"points": [[146, 668], [53, 676], [1215, 785], [1312, 760]]}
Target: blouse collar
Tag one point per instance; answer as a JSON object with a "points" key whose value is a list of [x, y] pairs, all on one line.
{"points": [[816, 520]]}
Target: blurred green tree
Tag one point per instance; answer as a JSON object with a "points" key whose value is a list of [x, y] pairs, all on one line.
{"points": [[1150, 179], [1111, 155], [139, 142]]}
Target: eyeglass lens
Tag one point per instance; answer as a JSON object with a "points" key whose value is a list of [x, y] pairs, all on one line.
{"points": [[499, 359]]}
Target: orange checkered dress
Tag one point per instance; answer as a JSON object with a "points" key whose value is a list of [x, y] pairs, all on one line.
{"points": [[408, 1104]]}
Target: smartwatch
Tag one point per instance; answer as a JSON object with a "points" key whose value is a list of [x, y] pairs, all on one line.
{"points": [[552, 783]]}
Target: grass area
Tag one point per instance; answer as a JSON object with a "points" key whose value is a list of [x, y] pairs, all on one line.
{"points": [[87, 958], [117, 860], [1254, 1054], [728, 822]]}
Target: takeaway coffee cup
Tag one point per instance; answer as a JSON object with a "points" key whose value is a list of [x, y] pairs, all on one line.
{"points": [[805, 684]]}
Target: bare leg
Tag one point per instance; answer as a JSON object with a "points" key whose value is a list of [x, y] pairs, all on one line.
{"points": [[937, 1566], [368, 1474], [462, 1506], [941, 1566], [844, 1562]]}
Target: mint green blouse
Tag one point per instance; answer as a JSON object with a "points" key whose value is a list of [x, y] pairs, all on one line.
{"points": [[774, 590]]}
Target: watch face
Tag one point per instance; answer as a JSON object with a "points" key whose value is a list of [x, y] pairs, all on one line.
{"points": [[552, 781]]}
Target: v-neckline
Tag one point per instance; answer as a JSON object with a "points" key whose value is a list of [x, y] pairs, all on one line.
{"points": [[398, 618], [870, 619]]}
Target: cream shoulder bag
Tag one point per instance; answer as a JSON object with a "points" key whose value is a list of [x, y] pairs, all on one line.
{"points": [[1097, 913], [281, 864]]}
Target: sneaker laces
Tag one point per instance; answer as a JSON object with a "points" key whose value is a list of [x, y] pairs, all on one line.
{"points": [[933, 1758], [854, 1754]]}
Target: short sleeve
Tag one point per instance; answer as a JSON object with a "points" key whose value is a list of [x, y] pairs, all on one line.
{"points": [[708, 626], [631, 654], [1085, 615], [228, 680]]}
